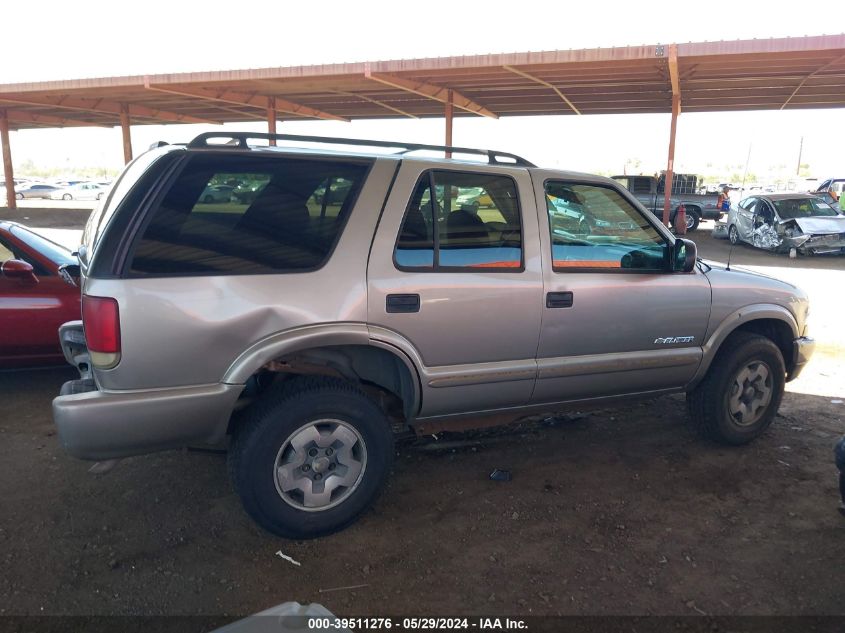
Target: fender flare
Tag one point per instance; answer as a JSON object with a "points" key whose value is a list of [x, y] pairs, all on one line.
{"points": [[325, 335], [293, 340], [735, 320]]}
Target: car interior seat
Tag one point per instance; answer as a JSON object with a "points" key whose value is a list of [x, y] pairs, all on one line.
{"points": [[464, 226]]}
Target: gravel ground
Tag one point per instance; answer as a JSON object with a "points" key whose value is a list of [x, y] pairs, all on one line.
{"points": [[619, 511]]}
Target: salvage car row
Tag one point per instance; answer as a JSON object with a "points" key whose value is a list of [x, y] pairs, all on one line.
{"points": [[65, 190]]}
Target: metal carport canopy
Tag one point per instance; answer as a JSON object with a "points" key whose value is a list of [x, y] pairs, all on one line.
{"points": [[785, 73]]}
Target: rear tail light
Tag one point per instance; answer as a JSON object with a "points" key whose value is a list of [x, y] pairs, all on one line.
{"points": [[101, 321]]}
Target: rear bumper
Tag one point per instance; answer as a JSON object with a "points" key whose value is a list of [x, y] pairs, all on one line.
{"points": [[100, 425], [802, 351]]}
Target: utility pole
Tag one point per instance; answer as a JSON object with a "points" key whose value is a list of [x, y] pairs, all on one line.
{"points": [[800, 150]]}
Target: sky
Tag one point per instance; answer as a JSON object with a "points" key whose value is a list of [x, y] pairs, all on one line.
{"points": [[95, 38]]}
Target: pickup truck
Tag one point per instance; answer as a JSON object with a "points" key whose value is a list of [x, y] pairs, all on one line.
{"points": [[650, 192], [307, 329]]}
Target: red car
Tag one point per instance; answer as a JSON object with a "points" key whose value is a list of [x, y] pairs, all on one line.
{"points": [[37, 295]]}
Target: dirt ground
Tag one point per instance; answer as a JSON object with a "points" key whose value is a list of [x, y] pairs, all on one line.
{"points": [[619, 511]]}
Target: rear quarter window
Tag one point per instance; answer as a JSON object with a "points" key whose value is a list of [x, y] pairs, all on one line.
{"points": [[231, 215]]}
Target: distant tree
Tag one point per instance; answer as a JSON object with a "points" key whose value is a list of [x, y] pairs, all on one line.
{"points": [[632, 165]]}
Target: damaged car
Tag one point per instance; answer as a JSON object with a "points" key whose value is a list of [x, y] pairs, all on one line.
{"points": [[782, 222]]}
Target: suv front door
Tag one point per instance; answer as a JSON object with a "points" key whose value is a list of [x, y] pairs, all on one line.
{"points": [[454, 274], [616, 319]]}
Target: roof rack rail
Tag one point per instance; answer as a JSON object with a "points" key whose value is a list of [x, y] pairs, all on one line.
{"points": [[241, 138]]}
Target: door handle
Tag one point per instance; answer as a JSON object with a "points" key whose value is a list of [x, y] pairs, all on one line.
{"points": [[559, 299], [403, 303]]}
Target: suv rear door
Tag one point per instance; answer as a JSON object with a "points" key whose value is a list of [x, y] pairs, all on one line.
{"points": [[463, 290], [616, 320]]}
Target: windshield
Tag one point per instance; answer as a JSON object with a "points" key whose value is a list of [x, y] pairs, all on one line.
{"points": [[56, 253], [809, 207]]}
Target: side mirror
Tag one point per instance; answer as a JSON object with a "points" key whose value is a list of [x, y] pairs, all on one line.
{"points": [[684, 255], [69, 273], [17, 269]]}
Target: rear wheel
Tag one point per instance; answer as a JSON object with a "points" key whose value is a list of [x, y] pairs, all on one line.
{"points": [[67, 196], [740, 395], [733, 234], [692, 221], [311, 457], [19, 196]]}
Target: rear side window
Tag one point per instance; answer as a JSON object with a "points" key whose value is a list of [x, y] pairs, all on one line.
{"points": [[641, 185], [461, 221], [236, 215]]}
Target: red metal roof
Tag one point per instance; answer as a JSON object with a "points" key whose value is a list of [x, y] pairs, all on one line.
{"points": [[786, 73]]}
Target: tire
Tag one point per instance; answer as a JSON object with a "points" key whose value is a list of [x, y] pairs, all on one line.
{"points": [[19, 196], [720, 409], [263, 452], [208, 200], [67, 196], [733, 234], [693, 220]]}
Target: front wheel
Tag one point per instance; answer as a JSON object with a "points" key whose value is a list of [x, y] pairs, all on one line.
{"points": [[19, 196], [311, 457], [67, 196], [740, 395]]}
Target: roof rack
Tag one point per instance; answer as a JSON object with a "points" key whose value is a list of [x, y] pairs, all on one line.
{"points": [[240, 138]]}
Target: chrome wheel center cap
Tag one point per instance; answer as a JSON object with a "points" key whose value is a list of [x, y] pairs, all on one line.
{"points": [[321, 464]]}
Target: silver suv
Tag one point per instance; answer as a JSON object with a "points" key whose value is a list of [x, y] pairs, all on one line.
{"points": [[334, 298]]}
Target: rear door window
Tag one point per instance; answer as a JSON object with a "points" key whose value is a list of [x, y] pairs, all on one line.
{"points": [[231, 215], [461, 221]]}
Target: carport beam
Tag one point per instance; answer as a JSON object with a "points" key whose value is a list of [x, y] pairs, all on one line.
{"points": [[7, 161], [127, 136], [670, 167], [271, 117], [675, 81], [449, 108]]}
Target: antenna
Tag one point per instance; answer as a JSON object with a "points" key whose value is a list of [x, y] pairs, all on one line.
{"points": [[730, 252]]}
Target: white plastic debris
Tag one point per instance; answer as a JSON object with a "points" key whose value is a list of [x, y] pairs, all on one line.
{"points": [[720, 231], [288, 558]]}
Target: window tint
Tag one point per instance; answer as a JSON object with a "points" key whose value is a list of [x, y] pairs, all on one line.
{"points": [[52, 251], [234, 215], [470, 221], [5, 253], [596, 227], [641, 185]]}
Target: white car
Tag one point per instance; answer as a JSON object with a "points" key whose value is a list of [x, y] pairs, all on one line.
{"points": [[80, 191], [785, 221]]}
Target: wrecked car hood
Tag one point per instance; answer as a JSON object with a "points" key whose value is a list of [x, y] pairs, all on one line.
{"points": [[820, 225]]}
